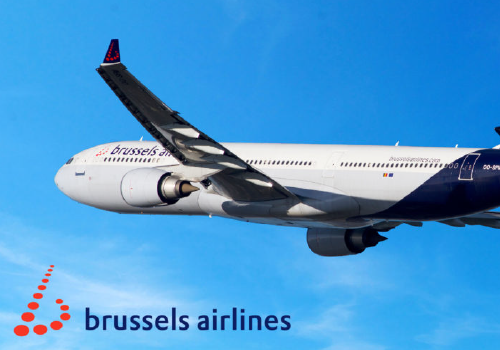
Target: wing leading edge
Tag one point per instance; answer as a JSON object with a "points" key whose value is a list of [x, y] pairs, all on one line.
{"points": [[235, 178]]}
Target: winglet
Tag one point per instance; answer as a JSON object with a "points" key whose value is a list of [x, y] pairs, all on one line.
{"points": [[113, 53]]}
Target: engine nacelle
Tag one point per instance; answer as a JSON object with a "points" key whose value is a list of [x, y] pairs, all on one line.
{"points": [[148, 187], [340, 242]]}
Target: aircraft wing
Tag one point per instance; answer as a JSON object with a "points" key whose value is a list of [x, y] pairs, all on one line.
{"points": [[489, 219], [191, 147]]}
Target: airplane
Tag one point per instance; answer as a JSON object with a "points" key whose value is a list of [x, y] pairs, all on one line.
{"points": [[344, 195]]}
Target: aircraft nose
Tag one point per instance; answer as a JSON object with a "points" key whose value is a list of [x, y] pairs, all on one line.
{"points": [[61, 180]]}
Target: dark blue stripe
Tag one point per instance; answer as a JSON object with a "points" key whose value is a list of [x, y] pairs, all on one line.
{"points": [[444, 195]]}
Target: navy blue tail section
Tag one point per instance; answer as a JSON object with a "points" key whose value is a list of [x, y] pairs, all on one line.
{"points": [[113, 53], [470, 184]]}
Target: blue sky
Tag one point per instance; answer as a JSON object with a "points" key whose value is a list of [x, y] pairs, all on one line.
{"points": [[353, 72]]}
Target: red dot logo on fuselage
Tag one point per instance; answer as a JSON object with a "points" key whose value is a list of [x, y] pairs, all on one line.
{"points": [[102, 152], [28, 317]]}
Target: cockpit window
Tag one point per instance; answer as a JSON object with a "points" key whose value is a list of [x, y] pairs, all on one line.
{"points": [[70, 160]]}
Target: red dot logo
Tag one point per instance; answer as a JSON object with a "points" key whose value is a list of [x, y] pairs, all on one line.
{"points": [[21, 330], [56, 325], [27, 317], [33, 305], [40, 329], [102, 152]]}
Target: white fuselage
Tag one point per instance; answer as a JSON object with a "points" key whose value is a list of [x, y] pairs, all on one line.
{"points": [[338, 183]]}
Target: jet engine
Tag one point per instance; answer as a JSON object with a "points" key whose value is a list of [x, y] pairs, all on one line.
{"points": [[149, 187], [340, 242]]}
